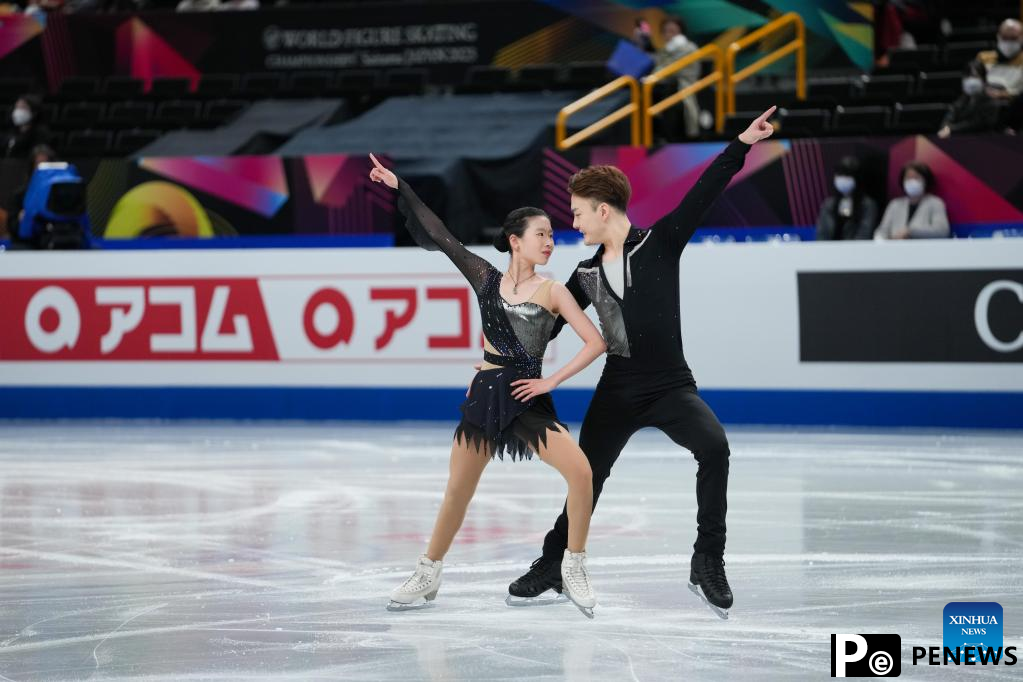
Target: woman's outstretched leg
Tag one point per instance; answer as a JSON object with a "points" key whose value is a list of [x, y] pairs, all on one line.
{"points": [[466, 467]]}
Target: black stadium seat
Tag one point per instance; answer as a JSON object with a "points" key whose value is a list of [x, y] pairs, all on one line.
{"points": [[862, 120]]}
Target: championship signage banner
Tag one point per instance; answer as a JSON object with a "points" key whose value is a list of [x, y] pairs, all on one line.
{"points": [[442, 39]]}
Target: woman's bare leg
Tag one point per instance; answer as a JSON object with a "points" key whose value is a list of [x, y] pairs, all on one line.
{"points": [[564, 454], [466, 467]]}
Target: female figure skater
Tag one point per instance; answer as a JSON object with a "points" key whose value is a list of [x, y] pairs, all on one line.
{"points": [[508, 408]]}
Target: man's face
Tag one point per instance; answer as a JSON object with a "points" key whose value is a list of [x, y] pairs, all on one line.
{"points": [[1010, 34], [590, 218]]}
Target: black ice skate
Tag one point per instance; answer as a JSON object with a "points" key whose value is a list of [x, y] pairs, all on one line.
{"points": [[707, 580], [543, 577]]}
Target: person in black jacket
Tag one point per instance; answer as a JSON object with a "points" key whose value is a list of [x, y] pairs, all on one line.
{"points": [[848, 213], [28, 130], [975, 111], [633, 283]]}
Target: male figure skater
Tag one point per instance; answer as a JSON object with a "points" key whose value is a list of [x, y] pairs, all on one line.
{"points": [[633, 282]]}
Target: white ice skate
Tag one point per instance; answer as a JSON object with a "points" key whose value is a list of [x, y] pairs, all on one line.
{"points": [[576, 582], [420, 589]]}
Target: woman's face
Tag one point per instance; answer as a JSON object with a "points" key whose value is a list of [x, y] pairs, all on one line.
{"points": [[537, 243], [669, 30], [914, 175], [22, 112]]}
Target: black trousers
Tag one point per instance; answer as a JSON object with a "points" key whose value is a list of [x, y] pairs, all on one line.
{"points": [[625, 402]]}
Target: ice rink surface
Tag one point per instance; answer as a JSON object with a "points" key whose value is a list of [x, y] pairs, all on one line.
{"points": [[266, 552]]}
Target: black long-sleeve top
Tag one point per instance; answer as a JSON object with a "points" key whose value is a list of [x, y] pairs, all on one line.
{"points": [[504, 325], [975, 114], [643, 330]]}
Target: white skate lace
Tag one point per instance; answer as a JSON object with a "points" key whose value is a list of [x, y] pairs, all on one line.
{"points": [[416, 581], [578, 577]]}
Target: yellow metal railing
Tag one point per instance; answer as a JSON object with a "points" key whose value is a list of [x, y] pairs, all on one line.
{"points": [[711, 52], [797, 45], [632, 109]]}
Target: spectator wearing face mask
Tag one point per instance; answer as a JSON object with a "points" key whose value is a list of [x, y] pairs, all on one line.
{"points": [[848, 213], [919, 214], [904, 23], [1004, 65], [975, 111], [674, 46], [27, 131]]}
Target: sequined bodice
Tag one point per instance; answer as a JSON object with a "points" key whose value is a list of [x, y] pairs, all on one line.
{"points": [[518, 331], [532, 324]]}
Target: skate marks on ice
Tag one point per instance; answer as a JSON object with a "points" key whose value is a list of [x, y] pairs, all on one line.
{"points": [[266, 552]]}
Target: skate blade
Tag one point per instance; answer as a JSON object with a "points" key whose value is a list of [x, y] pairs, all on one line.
{"points": [[419, 604], [718, 611], [586, 610], [541, 600]]}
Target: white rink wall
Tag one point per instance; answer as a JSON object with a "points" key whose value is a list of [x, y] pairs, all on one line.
{"points": [[894, 333]]}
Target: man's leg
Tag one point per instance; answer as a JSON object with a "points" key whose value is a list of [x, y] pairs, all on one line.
{"points": [[605, 431], [688, 421]]}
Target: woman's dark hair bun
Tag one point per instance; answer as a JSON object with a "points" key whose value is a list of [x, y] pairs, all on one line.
{"points": [[501, 242]]}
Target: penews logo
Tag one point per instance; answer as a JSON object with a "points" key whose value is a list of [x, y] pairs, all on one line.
{"points": [[866, 655]]}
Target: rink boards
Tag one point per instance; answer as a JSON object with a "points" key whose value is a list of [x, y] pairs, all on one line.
{"points": [[911, 333]]}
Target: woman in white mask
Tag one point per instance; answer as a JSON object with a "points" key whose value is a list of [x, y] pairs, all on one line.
{"points": [[27, 131], [1004, 65], [917, 215], [848, 213], [975, 111]]}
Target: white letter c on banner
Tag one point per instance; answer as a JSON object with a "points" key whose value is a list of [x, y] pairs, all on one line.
{"points": [[980, 315]]}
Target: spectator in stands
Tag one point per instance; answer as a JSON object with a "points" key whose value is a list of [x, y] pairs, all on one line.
{"points": [[919, 214], [1005, 64], [975, 111], [848, 213], [1005, 72], [674, 46], [27, 129], [904, 23], [641, 35]]}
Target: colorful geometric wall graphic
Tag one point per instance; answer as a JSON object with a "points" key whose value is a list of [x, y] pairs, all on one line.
{"points": [[660, 179], [334, 178], [257, 183], [15, 31], [143, 54], [158, 208]]}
